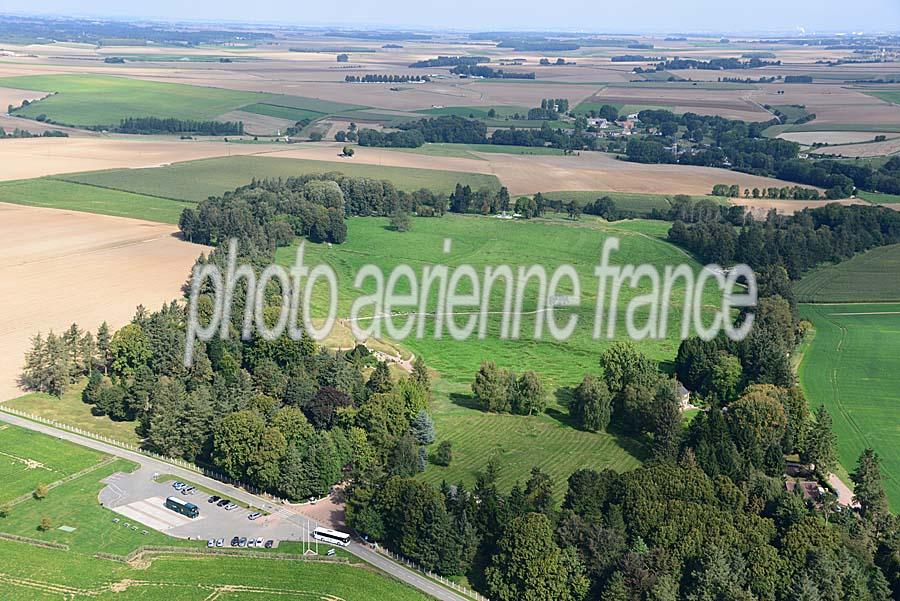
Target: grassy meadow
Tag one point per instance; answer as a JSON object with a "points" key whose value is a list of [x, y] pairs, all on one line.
{"points": [[852, 367], [867, 277]]}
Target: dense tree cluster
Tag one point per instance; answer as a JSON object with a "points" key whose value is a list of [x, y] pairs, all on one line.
{"points": [[501, 391], [550, 109], [798, 242], [449, 129], [56, 361], [157, 125], [270, 213], [24, 133], [449, 61], [472, 70], [486, 201], [395, 139]]}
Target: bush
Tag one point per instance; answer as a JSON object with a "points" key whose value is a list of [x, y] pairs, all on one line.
{"points": [[40, 492], [444, 454], [45, 524]]}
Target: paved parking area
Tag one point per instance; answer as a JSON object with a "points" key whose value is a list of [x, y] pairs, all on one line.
{"points": [[139, 498]]}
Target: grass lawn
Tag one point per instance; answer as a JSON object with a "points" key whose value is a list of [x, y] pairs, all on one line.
{"points": [[282, 112], [69, 409], [864, 278], [852, 367], [477, 112], [28, 459], [58, 194], [520, 443], [194, 181]]}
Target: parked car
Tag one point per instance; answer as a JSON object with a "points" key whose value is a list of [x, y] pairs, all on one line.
{"points": [[235, 541], [269, 544], [177, 485], [187, 490], [220, 542], [211, 542], [213, 499], [254, 516], [243, 542], [259, 542], [223, 503], [230, 506]]}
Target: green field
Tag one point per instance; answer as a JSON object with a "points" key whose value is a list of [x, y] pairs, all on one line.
{"points": [[58, 194], [892, 96], [852, 367], [104, 100], [28, 459], [867, 277], [194, 181], [879, 198], [31, 572], [477, 112], [99, 100], [70, 409], [282, 112]]}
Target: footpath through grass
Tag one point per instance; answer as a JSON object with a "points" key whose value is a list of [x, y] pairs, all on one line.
{"points": [[852, 367]]}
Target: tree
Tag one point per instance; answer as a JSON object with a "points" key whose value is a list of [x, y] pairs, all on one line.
{"points": [[591, 406], [757, 420], [322, 409], [404, 460], [347, 150], [401, 221], [420, 374], [491, 388], [820, 446], [5, 510], [129, 349], [623, 364], [527, 395], [380, 379], [40, 492], [529, 566], [868, 489], [444, 454], [244, 448], [422, 428], [725, 377], [45, 524]]}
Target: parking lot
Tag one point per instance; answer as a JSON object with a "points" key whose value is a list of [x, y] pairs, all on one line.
{"points": [[137, 497]]}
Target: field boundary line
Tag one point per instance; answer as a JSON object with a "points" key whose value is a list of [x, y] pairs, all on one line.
{"points": [[33, 541], [62, 179]]}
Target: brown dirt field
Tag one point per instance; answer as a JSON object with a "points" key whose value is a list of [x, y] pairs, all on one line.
{"points": [[35, 157], [61, 267], [254, 124], [733, 104], [12, 96], [832, 104], [530, 174], [808, 138], [875, 149]]}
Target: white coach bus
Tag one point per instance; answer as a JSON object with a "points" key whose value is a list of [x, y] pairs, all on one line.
{"points": [[331, 536]]}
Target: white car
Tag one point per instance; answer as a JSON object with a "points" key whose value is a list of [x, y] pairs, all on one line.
{"points": [[251, 542], [259, 542], [211, 542], [220, 542]]}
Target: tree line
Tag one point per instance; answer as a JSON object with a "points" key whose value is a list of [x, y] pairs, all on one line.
{"points": [[384, 78], [473, 70], [158, 125], [449, 61]]}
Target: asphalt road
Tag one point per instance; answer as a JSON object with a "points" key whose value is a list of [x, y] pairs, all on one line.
{"points": [[410, 577]]}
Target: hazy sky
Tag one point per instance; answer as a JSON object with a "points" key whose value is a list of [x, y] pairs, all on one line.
{"points": [[579, 15]]}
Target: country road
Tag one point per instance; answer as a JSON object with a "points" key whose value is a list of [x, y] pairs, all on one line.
{"points": [[401, 573]]}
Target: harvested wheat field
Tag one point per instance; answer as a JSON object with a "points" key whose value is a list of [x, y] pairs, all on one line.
{"points": [[61, 266], [36, 157], [729, 103], [873, 149], [759, 207], [534, 173], [832, 105], [808, 138]]}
